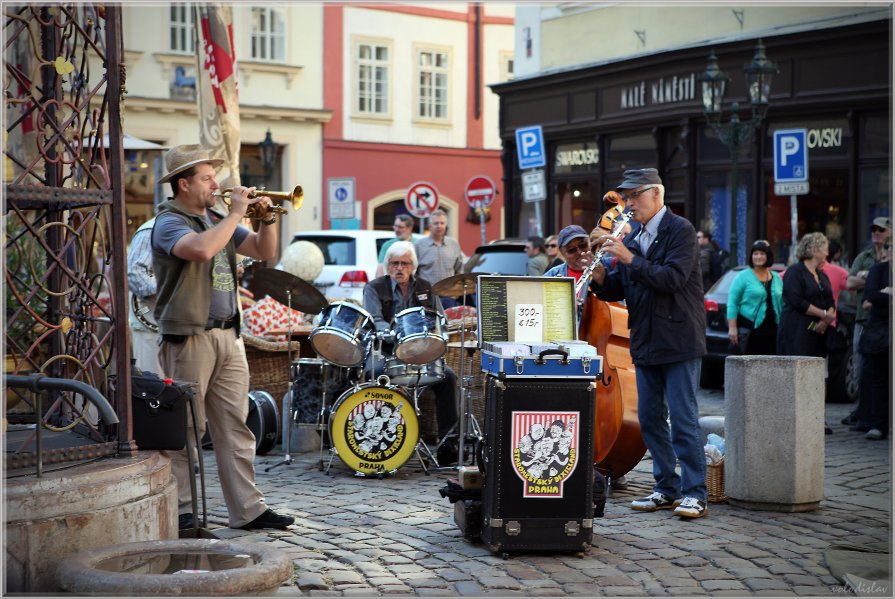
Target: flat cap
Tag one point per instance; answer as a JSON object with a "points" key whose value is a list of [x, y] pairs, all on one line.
{"points": [[638, 177]]}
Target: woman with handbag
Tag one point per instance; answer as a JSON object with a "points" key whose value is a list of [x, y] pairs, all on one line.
{"points": [[754, 305], [808, 307], [874, 344]]}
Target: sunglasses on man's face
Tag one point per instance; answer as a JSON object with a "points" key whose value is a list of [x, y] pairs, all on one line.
{"points": [[875, 229], [581, 247]]}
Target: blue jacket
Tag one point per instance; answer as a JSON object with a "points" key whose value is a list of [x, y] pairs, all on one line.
{"points": [[663, 293]]}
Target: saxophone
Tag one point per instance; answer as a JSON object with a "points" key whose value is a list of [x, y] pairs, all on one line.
{"points": [[584, 280]]}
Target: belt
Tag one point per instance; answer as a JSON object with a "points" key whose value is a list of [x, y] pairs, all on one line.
{"points": [[220, 324]]}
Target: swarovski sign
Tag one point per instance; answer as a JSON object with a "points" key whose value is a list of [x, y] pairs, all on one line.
{"points": [[661, 91]]}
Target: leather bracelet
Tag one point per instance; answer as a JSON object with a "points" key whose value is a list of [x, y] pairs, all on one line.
{"points": [[271, 221]]}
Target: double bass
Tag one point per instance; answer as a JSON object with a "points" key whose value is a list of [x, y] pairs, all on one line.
{"points": [[618, 443]]}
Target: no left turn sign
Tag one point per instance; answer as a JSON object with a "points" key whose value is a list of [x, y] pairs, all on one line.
{"points": [[421, 199]]}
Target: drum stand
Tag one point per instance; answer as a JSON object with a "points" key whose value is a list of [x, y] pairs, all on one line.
{"points": [[466, 418], [288, 416]]}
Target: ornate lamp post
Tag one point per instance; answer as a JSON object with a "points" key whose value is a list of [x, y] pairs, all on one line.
{"points": [[736, 133], [268, 149]]}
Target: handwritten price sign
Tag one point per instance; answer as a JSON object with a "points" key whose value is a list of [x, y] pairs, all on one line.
{"points": [[528, 323]]}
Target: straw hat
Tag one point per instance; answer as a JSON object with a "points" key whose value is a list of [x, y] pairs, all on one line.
{"points": [[181, 158]]}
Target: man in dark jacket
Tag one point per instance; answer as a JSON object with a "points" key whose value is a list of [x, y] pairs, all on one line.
{"points": [[388, 296], [660, 279]]}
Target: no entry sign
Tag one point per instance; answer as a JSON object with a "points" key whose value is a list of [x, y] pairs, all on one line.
{"points": [[421, 199], [480, 191]]}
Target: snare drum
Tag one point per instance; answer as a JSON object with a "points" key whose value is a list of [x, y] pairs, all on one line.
{"points": [[310, 378], [419, 335], [374, 429], [343, 334], [414, 375]]}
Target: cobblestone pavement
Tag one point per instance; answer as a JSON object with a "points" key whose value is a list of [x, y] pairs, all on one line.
{"points": [[396, 536]]}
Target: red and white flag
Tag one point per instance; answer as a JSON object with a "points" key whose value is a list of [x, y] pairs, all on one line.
{"points": [[217, 90]]}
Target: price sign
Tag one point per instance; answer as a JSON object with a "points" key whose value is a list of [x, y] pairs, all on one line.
{"points": [[528, 323]]}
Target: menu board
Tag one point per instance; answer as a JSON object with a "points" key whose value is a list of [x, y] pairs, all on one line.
{"points": [[526, 309]]}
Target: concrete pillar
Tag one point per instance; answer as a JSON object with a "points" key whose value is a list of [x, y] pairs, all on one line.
{"points": [[775, 432]]}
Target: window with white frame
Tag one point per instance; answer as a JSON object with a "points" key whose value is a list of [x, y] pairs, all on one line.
{"points": [[373, 60], [180, 29], [506, 65], [432, 77], [268, 35]]}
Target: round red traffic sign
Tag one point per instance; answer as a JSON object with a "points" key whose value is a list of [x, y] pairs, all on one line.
{"points": [[480, 191], [421, 199]]}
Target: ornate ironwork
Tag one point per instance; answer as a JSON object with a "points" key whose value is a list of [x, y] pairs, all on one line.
{"points": [[66, 308]]}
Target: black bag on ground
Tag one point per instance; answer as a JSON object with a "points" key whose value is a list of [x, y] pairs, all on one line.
{"points": [[159, 412]]}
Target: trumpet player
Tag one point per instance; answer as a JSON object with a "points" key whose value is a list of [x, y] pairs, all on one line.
{"points": [[661, 282], [194, 250]]}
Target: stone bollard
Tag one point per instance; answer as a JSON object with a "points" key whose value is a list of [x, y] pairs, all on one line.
{"points": [[775, 432]]}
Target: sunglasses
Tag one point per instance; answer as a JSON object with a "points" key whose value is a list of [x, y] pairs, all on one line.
{"points": [[552, 245], [581, 247], [875, 229]]}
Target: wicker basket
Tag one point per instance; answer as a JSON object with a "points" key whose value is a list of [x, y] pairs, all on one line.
{"points": [[714, 482], [269, 368], [477, 391]]}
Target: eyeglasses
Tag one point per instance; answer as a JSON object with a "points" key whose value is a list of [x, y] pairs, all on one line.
{"points": [[400, 264], [637, 194], [581, 247], [875, 229], [551, 245]]}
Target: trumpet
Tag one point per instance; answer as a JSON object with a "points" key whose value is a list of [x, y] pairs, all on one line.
{"points": [[296, 197]]}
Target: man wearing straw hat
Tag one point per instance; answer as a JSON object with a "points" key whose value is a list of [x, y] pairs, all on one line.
{"points": [[194, 250]]}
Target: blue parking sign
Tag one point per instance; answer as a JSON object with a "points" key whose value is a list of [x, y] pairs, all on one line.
{"points": [[790, 155], [530, 147]]}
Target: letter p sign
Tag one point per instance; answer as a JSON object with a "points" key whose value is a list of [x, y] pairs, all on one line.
{"points": [[790, 156], [530, 147]]}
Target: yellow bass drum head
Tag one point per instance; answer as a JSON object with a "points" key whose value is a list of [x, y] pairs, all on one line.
{"points": [[374, 428]]}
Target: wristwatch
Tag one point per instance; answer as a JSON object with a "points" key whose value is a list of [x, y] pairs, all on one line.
{"points": [[270, 221]]}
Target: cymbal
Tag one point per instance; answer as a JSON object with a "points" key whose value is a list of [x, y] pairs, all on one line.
{"points": [[453, 286], [280, 284]]}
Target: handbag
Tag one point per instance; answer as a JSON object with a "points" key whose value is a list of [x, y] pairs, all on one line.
{"points": [[874, 338], [159, 412]]}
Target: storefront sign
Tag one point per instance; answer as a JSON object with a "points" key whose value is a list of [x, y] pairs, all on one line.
{"points": [[576, 157], [662, 91], [830, 137]]}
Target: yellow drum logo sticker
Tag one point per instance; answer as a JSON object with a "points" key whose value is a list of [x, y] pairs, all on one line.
{"points": [[545, 451], [374, 429]]}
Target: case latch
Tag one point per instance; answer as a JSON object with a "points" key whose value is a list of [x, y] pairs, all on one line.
{"points": [[519, 361], [585, 364], [572, 528], [513, 528]]}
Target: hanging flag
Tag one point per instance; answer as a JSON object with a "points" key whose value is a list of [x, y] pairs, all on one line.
{"points": [[217, 92]]}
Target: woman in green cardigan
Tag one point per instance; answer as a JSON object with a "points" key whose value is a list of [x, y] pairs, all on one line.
{"points": [[755, 303]]}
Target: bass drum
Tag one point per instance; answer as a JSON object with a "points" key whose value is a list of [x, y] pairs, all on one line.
{"points": [[263, 420], [374, 429]]}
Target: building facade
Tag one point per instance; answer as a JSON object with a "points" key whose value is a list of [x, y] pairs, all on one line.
{"points": [[644, 108], [407, 85]]}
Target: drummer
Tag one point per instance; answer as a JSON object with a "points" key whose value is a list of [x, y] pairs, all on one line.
{"points": [[399, 290]]}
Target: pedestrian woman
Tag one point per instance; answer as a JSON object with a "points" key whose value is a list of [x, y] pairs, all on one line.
{"points": [[754, 304], [808, 309], [554, 258]]}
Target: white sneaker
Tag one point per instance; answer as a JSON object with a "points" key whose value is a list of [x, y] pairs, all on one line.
{"points": [[691, 507], [654, 501]]}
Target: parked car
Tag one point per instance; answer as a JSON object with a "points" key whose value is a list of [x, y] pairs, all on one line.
{"points": [[349, 260], [503, 256], [841, 383]]}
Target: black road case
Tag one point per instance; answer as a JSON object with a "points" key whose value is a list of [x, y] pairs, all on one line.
{"points": [[537, 456]]}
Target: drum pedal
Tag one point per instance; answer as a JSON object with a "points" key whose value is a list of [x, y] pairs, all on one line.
{"points": [[470, 477]]}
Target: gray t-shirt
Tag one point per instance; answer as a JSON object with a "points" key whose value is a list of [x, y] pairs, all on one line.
{"points": [[168, 230]]}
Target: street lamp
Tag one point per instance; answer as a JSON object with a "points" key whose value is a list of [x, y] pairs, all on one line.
{"points": [[736, 133], [268, 149]]}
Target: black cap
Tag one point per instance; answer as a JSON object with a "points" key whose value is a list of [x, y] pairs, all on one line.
{"points": [[638, 177]]}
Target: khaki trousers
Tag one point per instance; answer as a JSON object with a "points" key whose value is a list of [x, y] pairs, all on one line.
{"points": [[215, 362]]}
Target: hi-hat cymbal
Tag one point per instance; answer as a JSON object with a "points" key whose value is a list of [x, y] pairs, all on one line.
{"points": [[288, 289], [454, 286]]}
